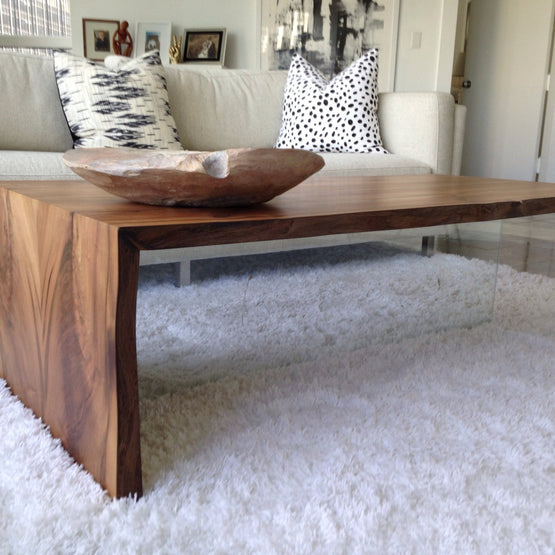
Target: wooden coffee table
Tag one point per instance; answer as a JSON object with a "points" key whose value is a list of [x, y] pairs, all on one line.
{"points": [[69, 264]]}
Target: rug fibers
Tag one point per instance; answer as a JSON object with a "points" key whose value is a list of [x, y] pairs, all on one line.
{"points": [[317, 402]]}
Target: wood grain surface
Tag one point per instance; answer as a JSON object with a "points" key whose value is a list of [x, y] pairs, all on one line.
{"points": [[67, 333], [69, 256], [316, 197]]}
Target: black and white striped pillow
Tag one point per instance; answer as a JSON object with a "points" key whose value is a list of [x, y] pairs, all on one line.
{"points": [[126, 106], [332, 116]]}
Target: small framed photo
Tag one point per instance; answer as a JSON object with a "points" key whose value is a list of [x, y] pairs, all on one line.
{"points": [[97, 38], [154, 36], [205, 46]]}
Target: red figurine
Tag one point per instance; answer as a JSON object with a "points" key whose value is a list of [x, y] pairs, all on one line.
{"points": [[122, 42]]}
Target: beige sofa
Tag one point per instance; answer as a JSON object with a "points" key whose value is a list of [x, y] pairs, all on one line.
{"points": [[216, 109]]}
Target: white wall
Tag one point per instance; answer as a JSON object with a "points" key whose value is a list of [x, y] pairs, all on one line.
{"points": [[417, 69], [429, 66]]}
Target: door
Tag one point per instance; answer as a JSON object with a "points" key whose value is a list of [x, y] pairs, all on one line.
{"points": [[506, 65]]}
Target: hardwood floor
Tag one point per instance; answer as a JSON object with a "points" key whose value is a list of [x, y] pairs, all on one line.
{"points": [[527, 244]]}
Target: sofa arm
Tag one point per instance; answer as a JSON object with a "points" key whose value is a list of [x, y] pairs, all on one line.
{"points": [[420, 126]]}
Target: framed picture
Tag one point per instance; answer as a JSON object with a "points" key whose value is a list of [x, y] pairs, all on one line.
{"points": [[97, 38], [330, 35], [154, 36], [205, 46]]}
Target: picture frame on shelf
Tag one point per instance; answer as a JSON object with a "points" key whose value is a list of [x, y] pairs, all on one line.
{"points": [[329, 36], [154, 36], [97, 38], [204, 46]]}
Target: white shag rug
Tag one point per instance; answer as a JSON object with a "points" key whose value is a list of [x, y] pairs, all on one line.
{"points": [[316, 402]]}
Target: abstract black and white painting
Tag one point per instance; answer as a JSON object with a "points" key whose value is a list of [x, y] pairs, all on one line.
{"points": [[330, 34]]}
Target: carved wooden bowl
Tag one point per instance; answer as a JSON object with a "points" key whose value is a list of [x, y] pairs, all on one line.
{"points": [[234, 177]]}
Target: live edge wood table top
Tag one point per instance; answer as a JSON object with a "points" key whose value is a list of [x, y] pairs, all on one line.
{"points": [[69, 264]]}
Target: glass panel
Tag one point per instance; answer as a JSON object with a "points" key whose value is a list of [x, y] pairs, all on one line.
{"points": [[298, 305], [528, 244], [457, 288]]}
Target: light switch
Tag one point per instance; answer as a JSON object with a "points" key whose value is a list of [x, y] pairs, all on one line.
{"points": [[415, 40]]}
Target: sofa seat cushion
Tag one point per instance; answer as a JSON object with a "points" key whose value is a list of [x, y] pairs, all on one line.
{"points": [[123, 106], [17, 164], [25, 164], [370, 163]]}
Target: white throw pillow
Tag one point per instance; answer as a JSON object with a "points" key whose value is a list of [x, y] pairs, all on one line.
{"points": [[123, 106], [335, 116]]}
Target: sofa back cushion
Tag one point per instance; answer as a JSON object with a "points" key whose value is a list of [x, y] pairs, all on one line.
{"points": [[31, 117], [226, 108]]}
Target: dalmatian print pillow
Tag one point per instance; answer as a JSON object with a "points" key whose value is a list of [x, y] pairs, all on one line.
{"points": [[335, 116]]}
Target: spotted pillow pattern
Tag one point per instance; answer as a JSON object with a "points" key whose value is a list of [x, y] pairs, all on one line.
{"points": [[332, 116], [123, 106]]}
